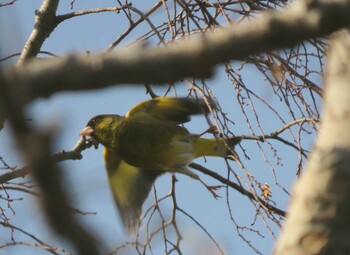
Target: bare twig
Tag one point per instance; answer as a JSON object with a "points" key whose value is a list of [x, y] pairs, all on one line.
{"points": [[133, 25], [239, 188], [63, 17], [8, 3], [73, 154], [52, 249]]}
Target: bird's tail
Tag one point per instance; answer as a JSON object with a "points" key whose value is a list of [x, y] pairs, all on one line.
{"points": [[216, 147]]}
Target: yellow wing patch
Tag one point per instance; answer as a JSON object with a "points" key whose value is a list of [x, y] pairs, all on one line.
{"points": [[130, 186]]}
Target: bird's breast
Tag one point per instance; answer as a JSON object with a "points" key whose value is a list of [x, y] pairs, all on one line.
{"points": [[154, 145]]}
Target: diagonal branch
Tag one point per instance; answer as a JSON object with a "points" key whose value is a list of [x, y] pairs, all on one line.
{"points": [[238, 188], [73, 154], [195, 58], [63, 17], [44, 25]]}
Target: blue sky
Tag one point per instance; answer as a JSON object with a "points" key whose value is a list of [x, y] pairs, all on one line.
{"points": [[86, 179]]}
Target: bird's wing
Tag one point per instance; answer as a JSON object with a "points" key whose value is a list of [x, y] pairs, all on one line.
{"points": [[130, 187], [177, 110]]}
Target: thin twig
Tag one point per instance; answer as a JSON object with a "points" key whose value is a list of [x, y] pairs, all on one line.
{"points": [[238, 188]]}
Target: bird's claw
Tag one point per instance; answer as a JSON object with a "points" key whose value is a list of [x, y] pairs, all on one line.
{"points": [[212, 190]]}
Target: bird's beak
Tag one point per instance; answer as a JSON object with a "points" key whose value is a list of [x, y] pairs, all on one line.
{"points": [[86, 131]]}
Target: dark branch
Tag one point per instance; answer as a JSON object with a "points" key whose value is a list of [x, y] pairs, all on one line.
{"points": [[239, 188], [36, 147], [73, 154]]}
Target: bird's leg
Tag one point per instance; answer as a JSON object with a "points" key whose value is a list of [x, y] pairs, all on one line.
{"points": [[184, 170], [212, 189]]}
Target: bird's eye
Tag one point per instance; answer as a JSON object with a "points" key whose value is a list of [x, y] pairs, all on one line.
{"points": [[92, 122]]}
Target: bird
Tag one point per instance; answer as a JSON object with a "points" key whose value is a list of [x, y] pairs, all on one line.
{"points": [[149, 141]]}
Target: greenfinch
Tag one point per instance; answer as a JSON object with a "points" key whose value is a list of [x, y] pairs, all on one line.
{"points": [[147, 142]]}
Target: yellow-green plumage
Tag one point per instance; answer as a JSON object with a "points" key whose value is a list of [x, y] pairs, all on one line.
{"points": [[130, 186], [147, 142]]}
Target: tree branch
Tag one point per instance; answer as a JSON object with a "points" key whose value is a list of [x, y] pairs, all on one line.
{"points": [[44, 25], [36, 147], [318, 222], [73, 154], [63, 17], [238, 188], [8, 3], [134, 25], [195, 58]]}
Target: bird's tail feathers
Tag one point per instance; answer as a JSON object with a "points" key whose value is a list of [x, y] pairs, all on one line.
{"points": [[216, 147]]}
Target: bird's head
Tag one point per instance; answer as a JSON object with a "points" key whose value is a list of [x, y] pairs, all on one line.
{"points": [[101, 127]]}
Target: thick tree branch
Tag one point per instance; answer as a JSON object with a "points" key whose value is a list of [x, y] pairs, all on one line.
{"points": [[36, 147], [195, 58], [318, 220], [44, 25]]}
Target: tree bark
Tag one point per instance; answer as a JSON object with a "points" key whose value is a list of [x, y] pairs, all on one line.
{"points": [[318, 220]]}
